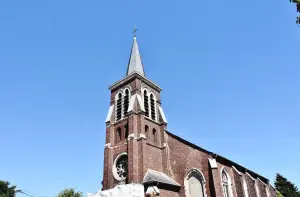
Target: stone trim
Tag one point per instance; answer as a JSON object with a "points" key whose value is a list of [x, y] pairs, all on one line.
{"points": [[162, 114], [108, 145], [250, 176], [142, 136], [213, 163], [131, 103], [241, 174], [109, 114], [131, 76], [131, 137], [159, 147], [261, 181]]}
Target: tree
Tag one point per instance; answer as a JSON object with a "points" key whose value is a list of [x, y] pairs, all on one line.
{"points": [[70, 192], [297, 2], [6, 190], [285, 187], [279, 194]]}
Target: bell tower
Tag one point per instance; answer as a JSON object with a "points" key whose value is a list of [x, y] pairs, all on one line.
{"points": [[135, 127]]}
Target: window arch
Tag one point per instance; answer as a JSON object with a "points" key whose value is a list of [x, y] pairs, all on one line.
{"points": [[118, 134], [147, 131], [194, 184], [154, 135], [152, 106], [245, 187], [226, 183], [126, 101], [146, 103], [119, 107]]}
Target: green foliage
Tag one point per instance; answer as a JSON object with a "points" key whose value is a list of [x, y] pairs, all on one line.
{"points": [[6, 190], [70, 192], [279, 194], [285, 187], [297, 2]]}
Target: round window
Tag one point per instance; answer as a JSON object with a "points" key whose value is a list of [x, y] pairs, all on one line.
{"points": [[120, 168]]}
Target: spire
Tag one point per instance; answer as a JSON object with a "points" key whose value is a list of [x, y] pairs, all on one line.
{"points": [[135, 61]]}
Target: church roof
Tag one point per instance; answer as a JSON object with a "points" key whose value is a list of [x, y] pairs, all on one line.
{"points": [[135, 61], [220, 158]]}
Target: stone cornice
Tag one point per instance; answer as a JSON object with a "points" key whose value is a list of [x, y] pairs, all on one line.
{"points": [[132, 76]]}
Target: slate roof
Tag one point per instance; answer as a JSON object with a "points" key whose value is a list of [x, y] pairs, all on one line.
{"points": [[135, 61]]}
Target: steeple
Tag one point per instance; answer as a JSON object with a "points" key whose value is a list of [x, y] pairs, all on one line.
{"points": [[135, 64]]}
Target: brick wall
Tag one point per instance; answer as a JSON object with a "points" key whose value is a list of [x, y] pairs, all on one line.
{"points": [[262, 188], [238, 183], [167, 153], [251, 186]]}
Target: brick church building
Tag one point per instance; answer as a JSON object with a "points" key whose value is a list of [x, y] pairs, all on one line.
{"points": [[140, 149]]}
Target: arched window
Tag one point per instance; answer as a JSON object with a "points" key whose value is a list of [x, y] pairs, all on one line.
{"points": [[147, 131], [152, 104], [154, 135], [119, 107], [146, 103], [126, 102], [119, 134], [195, 184], [226, 184], [120, 167], [245, 188], [126, 131]]}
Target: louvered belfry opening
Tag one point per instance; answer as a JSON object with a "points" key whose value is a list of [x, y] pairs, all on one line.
{"points": [[119, 107], [146, 103], [152, 102], [126, 102]]}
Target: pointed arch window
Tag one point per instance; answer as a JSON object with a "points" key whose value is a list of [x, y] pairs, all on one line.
{"points": [[152, 105], [119, 107], [154, 135], [226, 184], [245, 188], [147, 131], [195, 184], [126, 102], [119, 134], [146, 103]]}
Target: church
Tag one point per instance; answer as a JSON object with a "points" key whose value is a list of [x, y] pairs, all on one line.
{"points": [[139, 149]]}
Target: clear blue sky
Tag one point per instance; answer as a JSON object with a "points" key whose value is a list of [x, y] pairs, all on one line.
{"points": [[229, 70]]}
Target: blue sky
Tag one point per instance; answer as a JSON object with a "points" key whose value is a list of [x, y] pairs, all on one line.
{"points": [[229, 70]]}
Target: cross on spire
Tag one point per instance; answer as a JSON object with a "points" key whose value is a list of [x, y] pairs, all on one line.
{"points": [[135, 64], [134, 30]]}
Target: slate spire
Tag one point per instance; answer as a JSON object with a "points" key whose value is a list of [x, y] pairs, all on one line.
{"points": [[135, 64]]}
